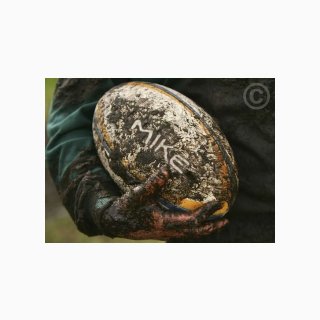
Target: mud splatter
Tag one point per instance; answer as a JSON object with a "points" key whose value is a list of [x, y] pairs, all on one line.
{"points": [[175, 132]]}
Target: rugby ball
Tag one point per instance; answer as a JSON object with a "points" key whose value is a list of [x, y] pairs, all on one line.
{"points": [[139, 126]]}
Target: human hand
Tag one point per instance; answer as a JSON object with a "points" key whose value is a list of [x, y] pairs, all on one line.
{"points": [[136, 215]]}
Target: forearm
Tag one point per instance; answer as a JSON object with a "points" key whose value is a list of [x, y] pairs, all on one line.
{"points": [[87, 191], [71, 156]]}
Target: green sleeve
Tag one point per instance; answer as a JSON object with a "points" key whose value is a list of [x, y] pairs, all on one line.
{"points": [[70, 153]]}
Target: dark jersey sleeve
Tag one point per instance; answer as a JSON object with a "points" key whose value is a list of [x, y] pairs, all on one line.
{"points": [[251, 133]]}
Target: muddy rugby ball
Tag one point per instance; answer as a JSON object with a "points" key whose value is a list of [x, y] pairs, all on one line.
{"points": [[138, 127]]}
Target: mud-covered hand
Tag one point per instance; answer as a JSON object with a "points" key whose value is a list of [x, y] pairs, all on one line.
{"points": [[136, 215]]}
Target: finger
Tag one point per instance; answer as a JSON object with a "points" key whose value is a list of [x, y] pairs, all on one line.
{"points": [[205, 229], [203, 213], [196, 232], [188, 233], [174, 220], [149, 189]]}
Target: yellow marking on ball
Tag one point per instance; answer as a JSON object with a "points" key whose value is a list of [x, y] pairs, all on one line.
{"points": [[223, 210], [190, 204]]}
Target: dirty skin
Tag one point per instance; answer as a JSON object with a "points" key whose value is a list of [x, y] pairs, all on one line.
{"points": [[136, 216]]}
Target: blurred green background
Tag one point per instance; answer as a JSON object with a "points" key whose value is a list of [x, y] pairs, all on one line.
{"points": [[59, 226]]}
